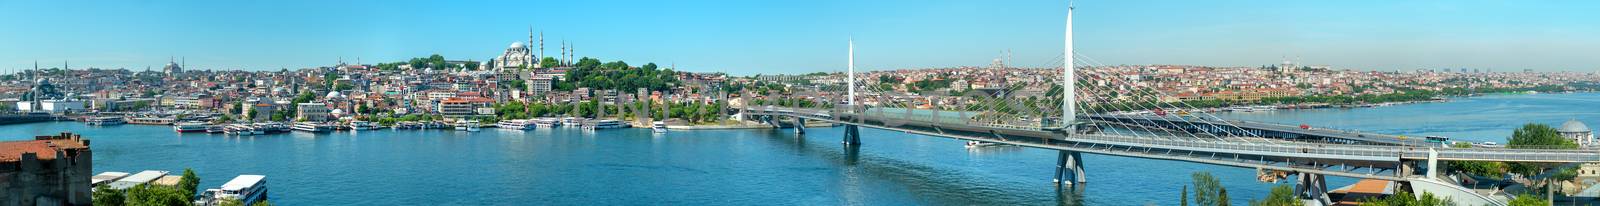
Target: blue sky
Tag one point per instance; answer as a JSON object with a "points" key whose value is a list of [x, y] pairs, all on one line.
{"points": [[795, 36]]}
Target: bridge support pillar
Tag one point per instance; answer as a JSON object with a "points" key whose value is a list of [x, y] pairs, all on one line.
{"points": [[1312, 187], [852, 135], [799, 126], [1069, 165]]}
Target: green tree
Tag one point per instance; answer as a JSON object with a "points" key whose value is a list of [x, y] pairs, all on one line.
{"points": [[146, 195], [230, 202], [189, 183], [1222, 197], [1537, 136], [549, 62], [1281, 195], [1405, 198], [104, 195], [1527, 200], [1183, 196], [1207, 189]]}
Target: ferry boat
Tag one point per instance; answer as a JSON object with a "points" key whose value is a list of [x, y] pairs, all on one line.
{"points": [[547, 122], [272, 128], [658, 127], [467, 125], [105, 121], [572, 121], [604, 124], [187, 127], [216, 129], [362, 125], [515, 124], [248, 189], [243, 130], [311, 127]]}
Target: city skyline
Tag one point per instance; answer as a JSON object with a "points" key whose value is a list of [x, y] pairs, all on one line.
{"points": [[745, 38]]}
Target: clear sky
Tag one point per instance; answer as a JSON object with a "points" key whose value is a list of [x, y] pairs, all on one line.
{"points": [[796, 36]]}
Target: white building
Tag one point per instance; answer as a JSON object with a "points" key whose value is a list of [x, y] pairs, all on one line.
{"points": [[1577, 132], [52, 106], [515, 56], [313, 112]]}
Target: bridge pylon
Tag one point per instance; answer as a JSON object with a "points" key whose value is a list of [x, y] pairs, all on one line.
{"points": [[799, 126], [1069, 165], [1313, 187], [852, 135]]}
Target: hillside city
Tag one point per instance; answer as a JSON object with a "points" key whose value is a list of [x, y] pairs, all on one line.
{"points": [[521, 84]]}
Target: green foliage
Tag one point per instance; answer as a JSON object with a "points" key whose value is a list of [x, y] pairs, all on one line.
{"points": [[589, 72], [1405, 198], [1222, 197], [1207, 189], [1281, 195], [147, 195], [104, 195], [230, 202], [1536, 136], [1527, 200], [1183, 196], [549, 62], [189, 183]]}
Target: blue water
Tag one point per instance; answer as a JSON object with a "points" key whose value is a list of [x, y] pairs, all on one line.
{"points": [[731, 167]]}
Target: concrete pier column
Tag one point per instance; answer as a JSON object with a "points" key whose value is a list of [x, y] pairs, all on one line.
{"points": [[1069, 165], [852, 135], [799, 126], [1433, 164], [1312, 187]]}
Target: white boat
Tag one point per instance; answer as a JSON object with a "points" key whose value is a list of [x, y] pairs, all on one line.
{"points": [[362, 125], [243, 129], [658, 127], [604, 124], [572, 122], [105, 121], [547, 122], [515, 124], [467, 125], [248, 189], [977, 144], [187, 127], [311, 127]]}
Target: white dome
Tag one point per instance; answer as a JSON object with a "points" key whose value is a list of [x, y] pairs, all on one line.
{"points": [[1572, 126], [517, 45], [334, 94]]}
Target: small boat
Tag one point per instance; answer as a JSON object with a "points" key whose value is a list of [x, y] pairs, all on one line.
{"points": [[604, 124], [105, 121], [515, 124], [658, 127], [187, 127], [362, 125], [977, 144]]}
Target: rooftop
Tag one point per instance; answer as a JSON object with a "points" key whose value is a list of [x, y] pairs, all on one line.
{"points": [[241, 182], [44, 146]]}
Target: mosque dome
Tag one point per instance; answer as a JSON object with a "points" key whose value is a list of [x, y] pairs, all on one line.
{"points": [[1573, 126], [334, 94], [517, 45]]}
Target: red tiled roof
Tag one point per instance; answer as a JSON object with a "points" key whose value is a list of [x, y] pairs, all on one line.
{"points": [[12, 150]]}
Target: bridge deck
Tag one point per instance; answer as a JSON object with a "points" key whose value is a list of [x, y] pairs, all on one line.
{"points": [[1321, 158]]}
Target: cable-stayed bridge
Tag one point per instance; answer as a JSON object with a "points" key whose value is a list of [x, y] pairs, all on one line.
{"points": [[1104, 113]]}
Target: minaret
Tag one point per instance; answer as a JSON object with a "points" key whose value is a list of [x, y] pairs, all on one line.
{"points": [[1069, 87], [541, 45], [563, 59]]}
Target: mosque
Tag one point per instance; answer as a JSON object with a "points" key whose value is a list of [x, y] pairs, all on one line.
{"points": [[519, 54]]}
